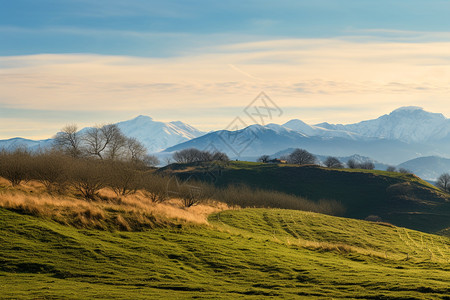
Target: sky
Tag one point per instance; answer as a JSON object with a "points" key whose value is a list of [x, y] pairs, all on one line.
{"points": [[203, 62]]}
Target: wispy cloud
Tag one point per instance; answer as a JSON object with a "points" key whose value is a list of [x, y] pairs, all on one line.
{"points": [[309, 74]]}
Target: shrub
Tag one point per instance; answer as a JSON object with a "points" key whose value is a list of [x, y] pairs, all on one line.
{"points": [[404, 171], [443, 182], [367, 165], [15, 166], [156, 187], [88, 177], [263, 158], [122, 177], [51, 169], [245, 196], [190, 192], [352, 164], [391, 169], [194, 155], [301, 157], [333, 162]]}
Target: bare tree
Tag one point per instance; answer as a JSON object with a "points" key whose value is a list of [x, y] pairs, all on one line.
{"points": [[391, 169], [150, 161], [333, 162], [301, 157], [68, 140], [352, 164], [100, 139], [123, 178], [51, 169], [443, 182], [168, 160], [156, 187], [136, 151], [88, 176], [188, 156], [194, 155], [95, 144], [117, 147], [192, 193], [367, 165], [220, 156], [15, 166], [404, 171], [264, 158]]}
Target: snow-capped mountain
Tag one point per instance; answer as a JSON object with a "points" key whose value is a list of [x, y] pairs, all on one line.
{"points": [[154, 135], [317, 130], [256, 140], [406, 133], [409, 124], [157, 136], [33, 145]]}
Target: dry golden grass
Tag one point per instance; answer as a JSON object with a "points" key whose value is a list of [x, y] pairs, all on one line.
{"points": [[130, 213]]}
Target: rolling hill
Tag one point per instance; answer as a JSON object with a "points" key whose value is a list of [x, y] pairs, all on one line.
{"points": [[401, 199], [251, 253], [430, 167]]}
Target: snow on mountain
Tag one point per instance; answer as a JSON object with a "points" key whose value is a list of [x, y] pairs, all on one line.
{"points": [[252, 140], [409, 124], [316, 130], [156, 136], [33, 145], [255, 140]]}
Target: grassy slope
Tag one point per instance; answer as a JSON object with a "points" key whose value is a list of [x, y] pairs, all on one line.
{"points": [[251, 253], [402, 199]]}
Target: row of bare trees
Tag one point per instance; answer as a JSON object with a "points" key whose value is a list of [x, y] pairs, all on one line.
{"points": [[194, 155], [303, 157], [86, 176], [57, 172], [102, 142]]}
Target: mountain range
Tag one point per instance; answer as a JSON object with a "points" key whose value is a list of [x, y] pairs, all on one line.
{"points": [[404, 134], [407, 133], [154, 135]]}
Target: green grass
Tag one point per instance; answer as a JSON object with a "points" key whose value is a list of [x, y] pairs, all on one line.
{"points": [[401, 199], [247, 253]]}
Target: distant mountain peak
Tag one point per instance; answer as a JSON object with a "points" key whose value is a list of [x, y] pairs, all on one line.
{"points": [[155, 135], [143, 118], [408, 109], [415, 111]]}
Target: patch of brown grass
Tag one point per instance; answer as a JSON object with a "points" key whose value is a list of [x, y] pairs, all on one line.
{"points": [[337, 247], [129, 213]]}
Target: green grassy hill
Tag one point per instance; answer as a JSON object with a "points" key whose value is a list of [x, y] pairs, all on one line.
{"points": [[401, 199], [244, 253]]}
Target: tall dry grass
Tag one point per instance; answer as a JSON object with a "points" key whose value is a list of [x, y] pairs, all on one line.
{"points": [[245, 196], [130, 213]]}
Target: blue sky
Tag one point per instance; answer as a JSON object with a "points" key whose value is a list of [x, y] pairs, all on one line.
{"points": [[165, 28], [59, 58]]}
